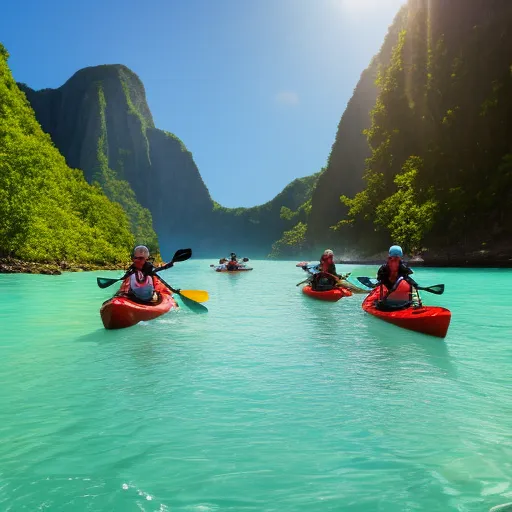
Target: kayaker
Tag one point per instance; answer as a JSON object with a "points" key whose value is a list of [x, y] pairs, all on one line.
{"points": [[232, 263], [326, 277], [393, 272], [394, 268], [327, 263], [140, 274]]}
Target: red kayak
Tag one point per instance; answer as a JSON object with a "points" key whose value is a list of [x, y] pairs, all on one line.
{"points": [[330, 295], [120, 311], [431, 320]]}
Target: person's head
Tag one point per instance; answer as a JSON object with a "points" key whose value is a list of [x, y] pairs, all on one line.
{"points": [[140, 256], [233, 256], [328, 255], [395, 254]]}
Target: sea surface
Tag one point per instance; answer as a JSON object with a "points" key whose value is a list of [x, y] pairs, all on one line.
{"points": [[271, 402]]}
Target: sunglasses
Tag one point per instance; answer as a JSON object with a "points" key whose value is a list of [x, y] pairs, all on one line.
{"points": [[139, 258]]}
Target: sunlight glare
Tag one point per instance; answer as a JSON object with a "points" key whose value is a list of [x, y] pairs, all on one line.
{"points": [[361, 8]]}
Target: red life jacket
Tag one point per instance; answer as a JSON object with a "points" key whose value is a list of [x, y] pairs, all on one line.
{"points": [[325, 263]]}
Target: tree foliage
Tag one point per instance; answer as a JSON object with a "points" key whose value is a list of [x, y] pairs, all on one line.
{"points": [[441, 132], [406, 216], [292, 242], [47, 211]]}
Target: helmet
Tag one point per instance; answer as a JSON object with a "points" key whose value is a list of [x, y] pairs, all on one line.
{"points": [[328, 252], [396, 250]]}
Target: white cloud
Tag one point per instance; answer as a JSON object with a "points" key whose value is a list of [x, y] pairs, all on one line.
{"points": [[287, 98]]}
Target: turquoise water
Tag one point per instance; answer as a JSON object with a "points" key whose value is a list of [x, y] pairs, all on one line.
{"points": [[271, 402]]}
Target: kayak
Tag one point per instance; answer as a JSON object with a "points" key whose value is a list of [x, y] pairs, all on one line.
{"points": [[432, 320], [239, 269], [122, 311], [329, 295]]}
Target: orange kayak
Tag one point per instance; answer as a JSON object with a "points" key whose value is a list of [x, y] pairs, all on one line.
{"points": [[122, 311], [330, 295], [432, 320]]}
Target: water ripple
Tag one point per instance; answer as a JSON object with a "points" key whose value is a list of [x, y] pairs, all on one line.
{"points": [[271, 402]]}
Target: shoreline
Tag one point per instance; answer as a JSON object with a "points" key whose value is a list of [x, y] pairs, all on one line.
{"points": [[15, 266], [435, 264]]}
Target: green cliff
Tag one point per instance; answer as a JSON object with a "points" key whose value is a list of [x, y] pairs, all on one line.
{"points": [[439, 178], [100, 121], [254, 230], [346, 162], [48, 212]]}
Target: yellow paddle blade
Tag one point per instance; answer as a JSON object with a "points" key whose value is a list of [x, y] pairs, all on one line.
{"points": [[197, 295]]}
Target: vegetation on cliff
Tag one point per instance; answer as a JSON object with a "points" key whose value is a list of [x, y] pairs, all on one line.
{"points": [[48, 211], [440, 171]]}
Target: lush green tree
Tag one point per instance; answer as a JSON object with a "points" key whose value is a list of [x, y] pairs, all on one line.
{"points": [[403, 213], [48, 211], [292, 242], [441, 132]]}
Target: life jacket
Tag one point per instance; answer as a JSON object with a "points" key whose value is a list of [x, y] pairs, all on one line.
{"points": [[326, 264], [232, 264], [322, 282], [142, 286]]}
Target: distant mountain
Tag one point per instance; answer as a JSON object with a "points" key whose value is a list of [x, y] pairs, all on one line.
{"points": [[100, 121], [254, 230]]}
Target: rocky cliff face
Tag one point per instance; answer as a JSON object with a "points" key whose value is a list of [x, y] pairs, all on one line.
{"points": [[48, 212], [438, 180], [101, 123], [346, 164], [100, 119]]}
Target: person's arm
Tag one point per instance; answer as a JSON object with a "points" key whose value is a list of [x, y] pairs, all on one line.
{"points": [[406, 273], [332, 270], [128, 273], [163, 267]]}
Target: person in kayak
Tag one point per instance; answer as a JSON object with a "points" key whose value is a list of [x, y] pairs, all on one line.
{"points": [[140, 275], [232, 264], [395, 276], [326, 278], [327, 263]]}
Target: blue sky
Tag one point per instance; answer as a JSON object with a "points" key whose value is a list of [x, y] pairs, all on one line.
{"points": [[254, 88]]}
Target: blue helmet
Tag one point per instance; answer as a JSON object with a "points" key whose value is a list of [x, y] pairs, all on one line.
{"points": [[396, 250]]}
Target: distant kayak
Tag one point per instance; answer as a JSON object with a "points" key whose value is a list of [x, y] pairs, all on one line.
{"points": [[332, 295], [123, 311], [223, 268], [432, 320]]}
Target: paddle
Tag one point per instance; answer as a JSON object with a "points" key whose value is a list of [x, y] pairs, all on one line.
{"points": [[437, 289], [188, 301], [179, 255], [327, 273]]}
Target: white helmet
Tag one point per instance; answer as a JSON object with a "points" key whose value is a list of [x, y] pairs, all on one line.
{"points": [[328, 252]]}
